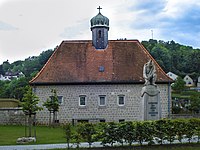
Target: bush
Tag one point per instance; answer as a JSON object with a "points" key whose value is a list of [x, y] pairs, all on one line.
{"points": [[136, 131]]}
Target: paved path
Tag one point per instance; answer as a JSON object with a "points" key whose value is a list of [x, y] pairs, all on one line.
{"points": [[45, 146], [95, 144]]}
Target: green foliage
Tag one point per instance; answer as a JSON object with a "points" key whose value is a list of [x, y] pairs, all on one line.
{"points": [[170, 130], [178, 85], [180, 128], [176, 110], [144, 132], [87, 132], [68, 133], [30, 102], [129, 131], [30, 66], [109, 134], [164, 129], [174, 57], [191, 128], [77, 136], [52, 105], [160, 130], [195, 102], [30, 106]]}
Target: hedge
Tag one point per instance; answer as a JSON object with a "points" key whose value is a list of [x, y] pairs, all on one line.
{"points": [[127, 133]]}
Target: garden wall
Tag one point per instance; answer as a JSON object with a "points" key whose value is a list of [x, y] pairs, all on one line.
{"points": [[12, 116], [185, 116]]}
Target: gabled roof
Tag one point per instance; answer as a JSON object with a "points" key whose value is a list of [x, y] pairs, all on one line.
{"points": [[75, 62]]}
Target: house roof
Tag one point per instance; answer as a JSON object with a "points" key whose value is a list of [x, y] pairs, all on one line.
{"points": [[75, 62]]}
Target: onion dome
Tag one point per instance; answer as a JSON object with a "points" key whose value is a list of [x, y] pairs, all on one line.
{"points": [[99, 20]]}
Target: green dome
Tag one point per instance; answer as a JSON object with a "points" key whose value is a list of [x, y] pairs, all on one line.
{"points": [[99, 20]]}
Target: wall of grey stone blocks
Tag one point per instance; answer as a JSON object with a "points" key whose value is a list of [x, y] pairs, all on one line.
{"points": [[70, 108], [11, 116]]}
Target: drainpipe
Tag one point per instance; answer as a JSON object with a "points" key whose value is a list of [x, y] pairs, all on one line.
{"points": [[169, 100]]}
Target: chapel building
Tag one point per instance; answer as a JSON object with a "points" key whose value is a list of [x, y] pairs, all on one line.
{"points": [[98, 80]]}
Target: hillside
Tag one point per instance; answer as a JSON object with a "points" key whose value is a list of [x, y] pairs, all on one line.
{"points": [[171, 56]]}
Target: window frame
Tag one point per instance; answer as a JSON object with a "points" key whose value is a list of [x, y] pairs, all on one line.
{"points": [[99, 100], [58, 99], [81, 96], [118, 100]]}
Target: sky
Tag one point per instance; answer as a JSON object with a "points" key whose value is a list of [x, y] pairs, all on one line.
{"points": [[28, 27]]}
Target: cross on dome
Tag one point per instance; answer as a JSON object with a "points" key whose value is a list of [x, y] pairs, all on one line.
{"points": [[99, 8]]}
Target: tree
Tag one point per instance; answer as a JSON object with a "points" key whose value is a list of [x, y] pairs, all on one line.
{"points": [[170, 130], [179, 85], [52, 105], [109, 134], [87, 132], [195, 102], [30, 106], [160, 130], [18, 87], [68, 133], [180, 128], [129, 132]]}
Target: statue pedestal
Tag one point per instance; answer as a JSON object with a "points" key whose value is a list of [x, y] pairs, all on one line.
{"points": [[151, 107]]}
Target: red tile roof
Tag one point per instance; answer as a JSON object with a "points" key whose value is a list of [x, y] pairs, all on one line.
{"points": [[79, 62]]}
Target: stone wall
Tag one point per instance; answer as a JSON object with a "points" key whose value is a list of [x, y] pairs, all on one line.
{"points": [[183, 116], [70, 109], [11, 116]]}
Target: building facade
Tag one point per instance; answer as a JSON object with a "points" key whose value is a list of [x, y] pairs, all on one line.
{"points": [[98, 82]]}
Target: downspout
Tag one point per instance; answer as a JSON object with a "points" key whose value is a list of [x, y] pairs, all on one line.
{"points": [[169, 100]]}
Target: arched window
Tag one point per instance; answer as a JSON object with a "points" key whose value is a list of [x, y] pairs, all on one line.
{"points": [[99, 33]]}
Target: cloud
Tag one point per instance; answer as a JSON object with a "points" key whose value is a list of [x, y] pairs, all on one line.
{"points": [[169, 19], [36, 25], [76, 30], [184, 27], [6, 26]]}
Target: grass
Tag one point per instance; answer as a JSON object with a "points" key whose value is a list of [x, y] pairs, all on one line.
{"points": [[47, 135], [44, 135]]}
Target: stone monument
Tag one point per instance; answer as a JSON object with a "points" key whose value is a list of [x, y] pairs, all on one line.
{"points": [[150, 93]]}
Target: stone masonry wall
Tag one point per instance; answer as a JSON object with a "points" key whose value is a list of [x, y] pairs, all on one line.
{"points": [[11, 116], [70, 108]]}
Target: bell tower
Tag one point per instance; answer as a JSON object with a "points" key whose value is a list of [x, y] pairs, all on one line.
{"points": [[99, 28]]}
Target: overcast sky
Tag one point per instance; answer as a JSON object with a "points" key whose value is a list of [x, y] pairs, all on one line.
{"points": [[28, 27]]}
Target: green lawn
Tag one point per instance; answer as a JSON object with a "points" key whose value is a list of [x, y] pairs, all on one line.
{"points": [[44, 135]]}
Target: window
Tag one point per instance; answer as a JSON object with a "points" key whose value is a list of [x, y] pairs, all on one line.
{"points": [[101, 68], [82, 121], [121, 100], [102, 100], [99, 33], [121, 120], [60, 99], [82, 100], [102, 120]]}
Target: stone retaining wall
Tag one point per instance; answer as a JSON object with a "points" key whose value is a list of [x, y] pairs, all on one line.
{"points": [[14, 116], [183, 116]]}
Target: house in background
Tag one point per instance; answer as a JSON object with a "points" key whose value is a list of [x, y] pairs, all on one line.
{"points": [[9, 75], [2, 77], [98, 80], [188, 81], [172, 75]]}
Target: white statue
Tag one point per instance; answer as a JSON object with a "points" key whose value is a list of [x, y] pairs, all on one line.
{"points": [[149, 73]]}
